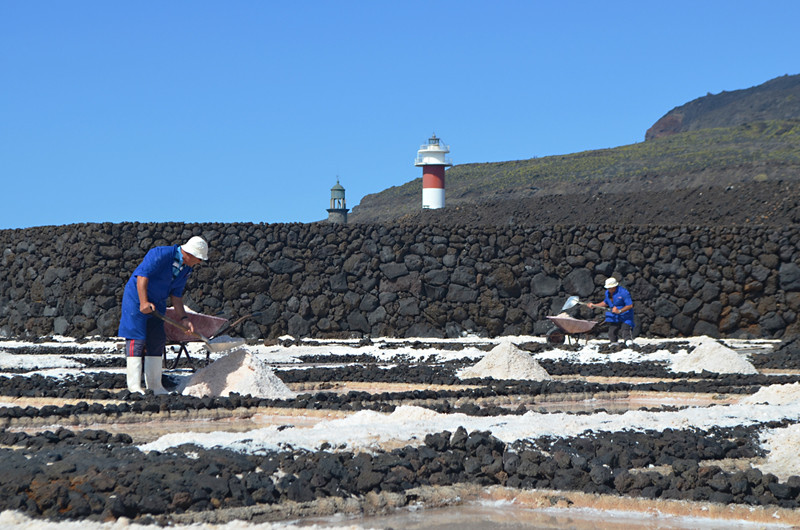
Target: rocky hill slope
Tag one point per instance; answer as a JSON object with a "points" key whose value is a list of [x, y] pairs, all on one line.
{"points": [[718, 158], [777, 99], [744, 204], [730, 139]]}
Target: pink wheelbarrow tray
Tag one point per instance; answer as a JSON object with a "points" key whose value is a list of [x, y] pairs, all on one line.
{"points": [[569, 326]]}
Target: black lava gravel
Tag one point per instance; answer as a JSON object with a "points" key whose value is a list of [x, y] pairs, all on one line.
{"points": [[96, 475]]}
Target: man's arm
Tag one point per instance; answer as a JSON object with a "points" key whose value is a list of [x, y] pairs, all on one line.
{"points": [[628, 302], [180, 312], [145, 306]]}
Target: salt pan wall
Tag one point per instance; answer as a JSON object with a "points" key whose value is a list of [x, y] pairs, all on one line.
{"points": [[322, 279]]}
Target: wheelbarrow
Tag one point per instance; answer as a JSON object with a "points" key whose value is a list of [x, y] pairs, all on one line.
{"points": [[207, 329], [570, 326]]}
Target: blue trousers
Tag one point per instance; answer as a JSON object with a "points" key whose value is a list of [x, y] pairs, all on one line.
{"points": [[153, 345]]}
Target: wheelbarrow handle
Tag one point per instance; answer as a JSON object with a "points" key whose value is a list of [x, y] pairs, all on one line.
{"points": [[233, 324]]}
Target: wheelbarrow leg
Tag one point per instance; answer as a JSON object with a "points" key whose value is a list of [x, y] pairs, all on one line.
{"points": [[183, 350], [208, 357]]}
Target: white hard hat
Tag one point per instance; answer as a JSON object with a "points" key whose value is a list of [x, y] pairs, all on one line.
{"points": [[611, 283], [197, 247]]}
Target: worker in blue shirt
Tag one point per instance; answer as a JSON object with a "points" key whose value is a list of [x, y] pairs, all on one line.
{"points": [[620, 314], [162, 274]]}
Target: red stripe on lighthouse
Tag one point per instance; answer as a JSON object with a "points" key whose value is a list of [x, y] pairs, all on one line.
{"points": [[433, 177]]}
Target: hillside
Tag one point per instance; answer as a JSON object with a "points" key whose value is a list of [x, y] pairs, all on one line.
{"points": [[777, 99], [716, 141], [771, 204], [766, 151]]}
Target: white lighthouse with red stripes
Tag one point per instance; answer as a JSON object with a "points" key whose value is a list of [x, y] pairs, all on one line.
{"points": [[433, 161]]}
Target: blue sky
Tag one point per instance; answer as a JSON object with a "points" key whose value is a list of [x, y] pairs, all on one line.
{"points": [[247, 111]]}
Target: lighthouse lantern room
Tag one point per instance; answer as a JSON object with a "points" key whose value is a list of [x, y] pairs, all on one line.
{"points": [[337, 213], [431, 157]]}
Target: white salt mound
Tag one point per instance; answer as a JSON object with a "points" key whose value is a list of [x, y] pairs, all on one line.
{"points": [[712, 356], [774, 395], [782, 446], [506, 361], [240, 372]]}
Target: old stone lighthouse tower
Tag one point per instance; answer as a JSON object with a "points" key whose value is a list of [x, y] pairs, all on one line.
{"points": [[337, 213]]}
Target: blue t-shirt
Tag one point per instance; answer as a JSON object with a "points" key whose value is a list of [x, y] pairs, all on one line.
{"points": [[164, 280], [620, 299]]}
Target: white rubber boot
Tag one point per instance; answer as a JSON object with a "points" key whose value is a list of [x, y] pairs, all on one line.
{"points": [[134, 373], [152, 375]]}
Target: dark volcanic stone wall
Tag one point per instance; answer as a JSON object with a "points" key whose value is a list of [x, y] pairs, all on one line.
{"points": [[324, 280]]}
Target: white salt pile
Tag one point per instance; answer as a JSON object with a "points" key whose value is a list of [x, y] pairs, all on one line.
{"points": [[712, 356], [782, 444], [240, 372], [506, 361], [774, 395], [782, 447]]}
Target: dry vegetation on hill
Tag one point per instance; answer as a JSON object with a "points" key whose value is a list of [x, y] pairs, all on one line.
{"points": [[747, 139]]}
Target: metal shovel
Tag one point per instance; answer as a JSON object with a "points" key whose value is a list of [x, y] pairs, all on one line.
{"points": [[213, 348], [571, 302]]}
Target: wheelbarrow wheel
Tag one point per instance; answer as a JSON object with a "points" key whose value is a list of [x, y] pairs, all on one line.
{"points": [[555, 337]]}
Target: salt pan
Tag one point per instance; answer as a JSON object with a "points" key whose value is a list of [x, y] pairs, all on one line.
{"points": [[240, 372], [506, 361]]}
